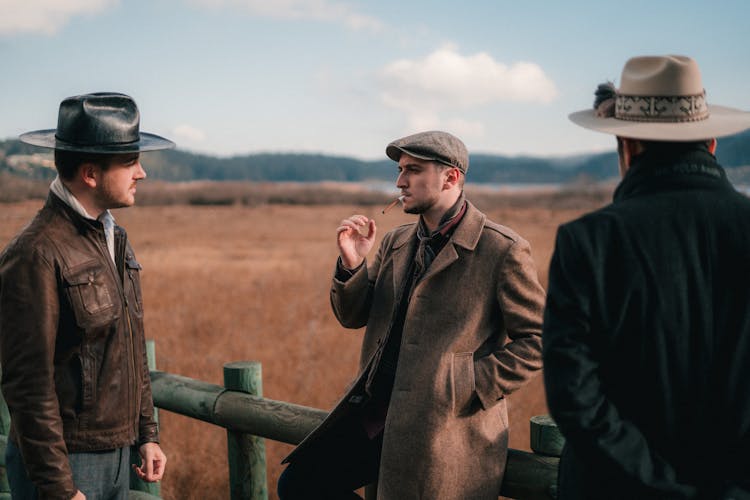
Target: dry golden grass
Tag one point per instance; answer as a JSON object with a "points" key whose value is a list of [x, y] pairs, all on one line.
{"points": [[243, 282]]}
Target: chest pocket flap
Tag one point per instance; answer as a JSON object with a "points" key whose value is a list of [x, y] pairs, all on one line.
{"points": [[90, 291]]}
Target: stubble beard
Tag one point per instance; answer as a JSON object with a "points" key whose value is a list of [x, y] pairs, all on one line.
{"points": [[419, 209], [109, 199], [422, 207]]}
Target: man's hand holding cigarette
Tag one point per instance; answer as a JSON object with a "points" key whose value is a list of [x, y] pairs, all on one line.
{"points": [[353, 245]]}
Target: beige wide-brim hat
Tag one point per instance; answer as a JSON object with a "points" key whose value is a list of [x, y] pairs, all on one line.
{"points": [[661, 98]]}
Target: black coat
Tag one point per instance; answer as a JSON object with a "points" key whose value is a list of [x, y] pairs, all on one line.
{"points": [[646, 338]]}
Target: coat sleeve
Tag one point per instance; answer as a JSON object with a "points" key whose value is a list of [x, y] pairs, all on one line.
{"points": [[29, 310], [576, 396], [351, 299], [521, 301]]}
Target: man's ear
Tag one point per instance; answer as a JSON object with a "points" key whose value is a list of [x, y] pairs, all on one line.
{"points": [[452, 177], [712, 146], [628, 149], [89, 173]]}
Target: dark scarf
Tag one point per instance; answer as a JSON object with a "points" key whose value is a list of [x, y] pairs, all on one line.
{"points": [[430, 244]]}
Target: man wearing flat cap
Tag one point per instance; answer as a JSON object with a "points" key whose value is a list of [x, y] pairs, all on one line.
{"points": [[647, 323], [74, 372], [452, 308]]}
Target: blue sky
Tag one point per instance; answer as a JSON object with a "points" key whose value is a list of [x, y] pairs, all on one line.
{"points": [[345, 77]]}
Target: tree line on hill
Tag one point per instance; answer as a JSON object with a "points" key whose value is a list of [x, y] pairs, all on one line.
{"points": [[176, 165]]}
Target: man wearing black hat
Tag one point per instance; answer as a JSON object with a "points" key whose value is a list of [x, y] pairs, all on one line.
{"points": [[453, 311], [74, 372], [647, 323]]}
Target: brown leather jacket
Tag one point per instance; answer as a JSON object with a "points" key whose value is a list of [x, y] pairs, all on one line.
{"points": [[74, 370]]}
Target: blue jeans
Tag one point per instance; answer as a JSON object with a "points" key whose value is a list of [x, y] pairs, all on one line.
{"points": [[100, 475]]}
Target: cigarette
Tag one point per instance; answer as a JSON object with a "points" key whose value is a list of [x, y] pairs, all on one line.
{"points": [[393, 203]]}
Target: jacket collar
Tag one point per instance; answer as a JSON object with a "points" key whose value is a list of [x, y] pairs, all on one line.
{"points": [[83, 224], [690, 169]]}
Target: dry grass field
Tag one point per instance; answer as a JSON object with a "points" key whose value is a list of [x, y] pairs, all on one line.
{"points": [[250, 282]]}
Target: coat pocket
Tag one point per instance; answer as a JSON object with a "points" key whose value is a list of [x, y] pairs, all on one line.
{"points": [[88, 288], [462, 382]]}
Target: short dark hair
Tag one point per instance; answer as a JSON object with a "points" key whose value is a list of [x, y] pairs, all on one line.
{"points": [[67, 162]]}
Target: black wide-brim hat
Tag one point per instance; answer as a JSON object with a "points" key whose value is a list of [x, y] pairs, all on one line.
{"points": [[99, 123]]}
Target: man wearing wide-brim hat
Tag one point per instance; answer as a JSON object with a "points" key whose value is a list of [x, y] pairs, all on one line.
{"points": [[72, 346], [647, 326]]}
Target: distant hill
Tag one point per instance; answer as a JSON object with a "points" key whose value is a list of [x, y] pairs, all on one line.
{"points": [[176, 165]]}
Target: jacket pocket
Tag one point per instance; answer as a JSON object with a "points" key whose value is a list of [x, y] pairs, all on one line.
{"points": [[89, 291], [69, 384], [463, 386]]}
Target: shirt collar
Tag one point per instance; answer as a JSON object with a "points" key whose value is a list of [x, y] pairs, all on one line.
{"points": [[62, 192]]}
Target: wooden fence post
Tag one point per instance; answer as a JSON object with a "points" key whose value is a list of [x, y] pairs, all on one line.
{"points": [[247, 453], [547, 440], [545, 437], [136, 483]]}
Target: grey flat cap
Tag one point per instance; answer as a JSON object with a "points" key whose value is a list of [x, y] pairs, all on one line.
{"points": [[433, 145]]}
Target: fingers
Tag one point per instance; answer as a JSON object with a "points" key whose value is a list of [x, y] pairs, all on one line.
{"points": [[160, 463], [355, 222], [351, 228], [371, 229], [147, 465], [153, 463], [138, 472]]}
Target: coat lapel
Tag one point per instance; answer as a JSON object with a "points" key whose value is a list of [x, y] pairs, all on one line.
{"points": [[465, 236], [445, 258], [402, 251]]}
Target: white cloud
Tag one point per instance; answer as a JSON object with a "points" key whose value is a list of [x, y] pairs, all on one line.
{"points": [[447, 81], [44, 16], [188, 134], [426, 120], [315, 10]]}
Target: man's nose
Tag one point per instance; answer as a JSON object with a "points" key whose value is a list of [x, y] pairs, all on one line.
{"points": [[401, 180], [140, 172]]}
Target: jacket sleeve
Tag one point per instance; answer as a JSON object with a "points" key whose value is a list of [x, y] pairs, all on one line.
{"points": [[576, 396], [521, 301], [29, 310], [351, 298]]}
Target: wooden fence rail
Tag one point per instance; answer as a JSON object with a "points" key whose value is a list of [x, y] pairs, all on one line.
{"points": [[527, 476], [248, 417]]}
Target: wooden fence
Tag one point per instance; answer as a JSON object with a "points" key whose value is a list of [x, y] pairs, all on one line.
{"points": [[240, 407]]}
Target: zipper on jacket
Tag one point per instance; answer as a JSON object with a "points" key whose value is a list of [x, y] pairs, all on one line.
{"points": [[121, 250], [120, 283]]}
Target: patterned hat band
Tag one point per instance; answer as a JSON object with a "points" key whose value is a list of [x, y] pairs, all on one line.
{"points": [[661, 109]]}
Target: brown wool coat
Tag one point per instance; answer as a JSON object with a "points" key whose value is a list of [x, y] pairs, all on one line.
{"points": [[472, 335]]}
